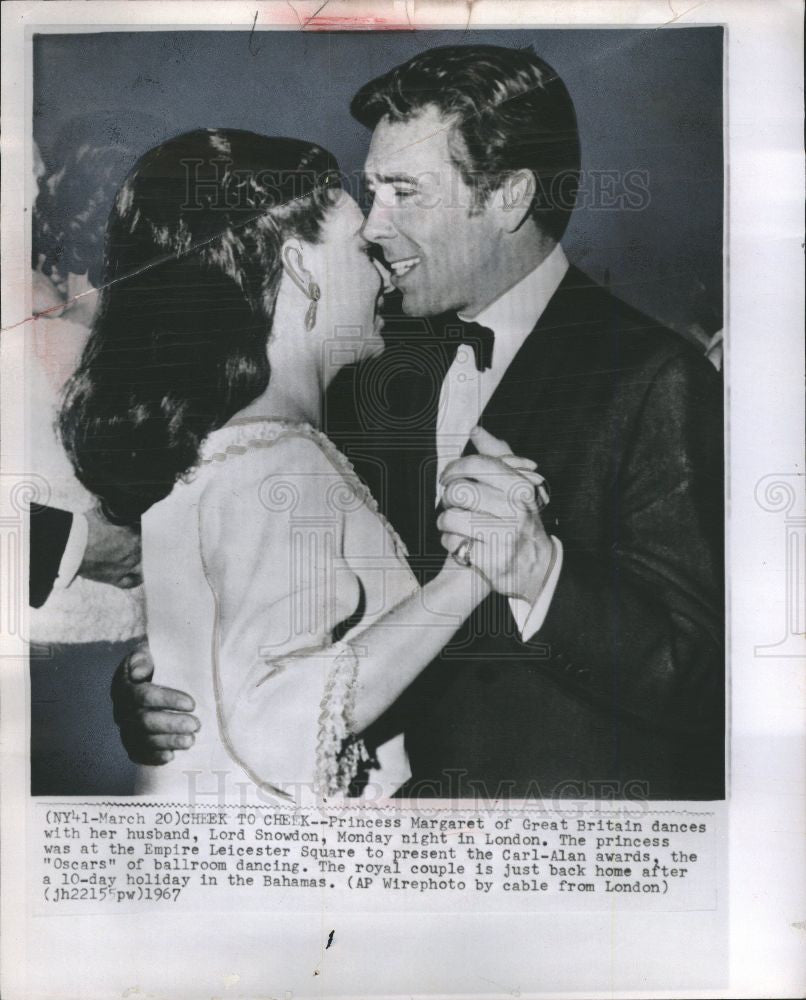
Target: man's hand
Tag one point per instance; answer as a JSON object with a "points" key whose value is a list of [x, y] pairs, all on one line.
{"points": [[153, 720], [490, 499], [112, 554]]}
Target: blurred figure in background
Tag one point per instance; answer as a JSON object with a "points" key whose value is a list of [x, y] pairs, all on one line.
{"points": [[707, 328], [84, 592], [84, 572], [76, 185]]}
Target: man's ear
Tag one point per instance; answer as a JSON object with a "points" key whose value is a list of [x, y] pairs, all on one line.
{"points": [[513, 199]]}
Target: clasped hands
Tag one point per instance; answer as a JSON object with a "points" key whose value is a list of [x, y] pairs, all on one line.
{"points": [[491, 519]]}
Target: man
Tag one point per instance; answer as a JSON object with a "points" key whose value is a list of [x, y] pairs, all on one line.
{"points": [[596, 669]]}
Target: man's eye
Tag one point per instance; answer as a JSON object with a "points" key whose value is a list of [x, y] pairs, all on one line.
{"points": [[404, 193]]}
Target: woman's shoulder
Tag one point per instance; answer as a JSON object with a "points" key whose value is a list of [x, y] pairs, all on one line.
{"points": [[288, 470], [289, 462]]}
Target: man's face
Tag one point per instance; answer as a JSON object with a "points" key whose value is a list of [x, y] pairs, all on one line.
{"points": [[438, 244]]}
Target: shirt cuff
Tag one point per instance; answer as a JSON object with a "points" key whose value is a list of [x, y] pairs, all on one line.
{"points": [[530, 618], [73, 554]]}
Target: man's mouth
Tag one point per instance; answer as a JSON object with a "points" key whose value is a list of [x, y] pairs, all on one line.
{"points": [[401, 267]]}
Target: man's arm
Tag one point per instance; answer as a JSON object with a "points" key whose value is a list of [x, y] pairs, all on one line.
{"points": [[643, 622], [639, 623]]}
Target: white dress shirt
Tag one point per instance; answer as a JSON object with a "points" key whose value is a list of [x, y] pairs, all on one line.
{"points": [[466, 392]]}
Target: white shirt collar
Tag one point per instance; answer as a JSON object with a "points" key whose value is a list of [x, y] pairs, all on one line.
{"points": [[513, 315]]}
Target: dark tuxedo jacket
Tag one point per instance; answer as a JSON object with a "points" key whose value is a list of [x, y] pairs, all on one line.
{"points": [[50, 529], [621, 692]]}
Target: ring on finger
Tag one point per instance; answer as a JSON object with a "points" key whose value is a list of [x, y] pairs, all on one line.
{"points": [[461, 553]]}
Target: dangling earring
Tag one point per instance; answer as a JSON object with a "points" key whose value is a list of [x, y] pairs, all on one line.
{"points": [[314, 293], [311, 289]]}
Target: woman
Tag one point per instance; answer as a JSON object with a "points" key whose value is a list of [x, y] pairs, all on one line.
{"points": [[237, 285]]}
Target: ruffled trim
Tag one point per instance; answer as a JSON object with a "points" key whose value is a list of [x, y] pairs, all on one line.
{"points": [[340, 757], [262, 432]]}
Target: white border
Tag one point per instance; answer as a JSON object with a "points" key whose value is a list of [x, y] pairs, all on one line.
{"points": [[764, 369]]}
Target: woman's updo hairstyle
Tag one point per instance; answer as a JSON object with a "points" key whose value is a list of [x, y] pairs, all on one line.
{"points": [[192, 270]]}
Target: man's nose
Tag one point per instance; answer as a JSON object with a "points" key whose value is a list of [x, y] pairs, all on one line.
{"points": [[378, 225]]}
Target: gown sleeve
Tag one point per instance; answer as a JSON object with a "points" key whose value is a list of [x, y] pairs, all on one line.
{"points": [[271, 528]]}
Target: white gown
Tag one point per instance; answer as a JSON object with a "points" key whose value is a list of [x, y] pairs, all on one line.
{"points": [[249, 565]]}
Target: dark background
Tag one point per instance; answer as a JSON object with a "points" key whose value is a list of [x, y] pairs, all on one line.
{"points": [[647, 100]]}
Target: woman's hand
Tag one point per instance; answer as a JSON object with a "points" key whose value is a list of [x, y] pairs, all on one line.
{"points": [[458, 576]]}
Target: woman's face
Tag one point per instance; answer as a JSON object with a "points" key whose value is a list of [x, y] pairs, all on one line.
{"points": [[351, 286]]}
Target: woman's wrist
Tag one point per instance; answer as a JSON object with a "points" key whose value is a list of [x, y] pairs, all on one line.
{"points": [[481, 586], [464, 581]]}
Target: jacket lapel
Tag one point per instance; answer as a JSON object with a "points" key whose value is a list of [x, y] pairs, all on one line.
{"points": [[530, 407], [510, 412]]}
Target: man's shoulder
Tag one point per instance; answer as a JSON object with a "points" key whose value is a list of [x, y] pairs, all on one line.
{"points": [[589, 321]]}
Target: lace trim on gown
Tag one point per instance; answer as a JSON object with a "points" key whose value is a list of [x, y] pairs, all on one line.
{"points": [[237, 438], [340, 756]]}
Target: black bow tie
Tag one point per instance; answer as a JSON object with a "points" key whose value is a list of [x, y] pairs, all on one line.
{"points": [[480, 338]]}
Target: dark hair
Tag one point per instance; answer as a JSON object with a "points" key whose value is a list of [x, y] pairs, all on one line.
{"points": [[178, 343], [511, 112]]}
